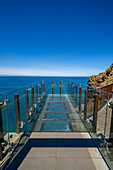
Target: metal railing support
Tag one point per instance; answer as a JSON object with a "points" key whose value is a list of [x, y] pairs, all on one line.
{"points": [[52, 87], [36, 96], [17, 113], [60, 87], [39, 91], [1, 126], [73, 90], [44, 87], [85, 108], [27, 106], [80, 99], [76, 91], [1, 134], [1, 156], [32, 98], [111, 128], [95, 112]]}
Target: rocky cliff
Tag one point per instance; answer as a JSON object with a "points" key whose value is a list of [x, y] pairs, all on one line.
{"points": [[102, 79]]}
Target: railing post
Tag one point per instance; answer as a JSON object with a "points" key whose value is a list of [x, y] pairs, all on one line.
{"points": [[17, 112], [32, 98], [41, 89], [1, 126], [52, 87], [39, 92], [60, 87], [76, 96], [112, 91], [27, 106], [111, 128], [80, 98], [1, 134], [1, 156], [44, 87], [85, 108], [95, 112], [36, 96], [73, 91], [44, 90]]}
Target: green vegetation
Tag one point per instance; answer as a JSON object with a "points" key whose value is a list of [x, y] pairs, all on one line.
{"points": [[94, 80], [91, 109], [99, 102], [97, 84]]}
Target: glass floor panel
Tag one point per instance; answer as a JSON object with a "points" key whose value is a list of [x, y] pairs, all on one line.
{"points": [[56, 109], [56, 100], [56, 116], [55, 127], [56, 104]]}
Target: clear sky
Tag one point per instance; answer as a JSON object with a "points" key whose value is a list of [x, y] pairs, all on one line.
{"points": [[55, 37]]}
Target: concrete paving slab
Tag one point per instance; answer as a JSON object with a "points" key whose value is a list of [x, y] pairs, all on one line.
{"points": [[65, 164], [38, 164], [42, 152], [69, 135], [83, 164], [59, 135], [99, 164], [43, 135], [73, 152]]}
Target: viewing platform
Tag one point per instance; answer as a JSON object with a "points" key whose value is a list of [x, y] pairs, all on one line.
{"points": [[56, 125]]}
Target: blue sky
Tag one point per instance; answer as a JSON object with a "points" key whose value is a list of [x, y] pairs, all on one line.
{"points": [[55, 37]]}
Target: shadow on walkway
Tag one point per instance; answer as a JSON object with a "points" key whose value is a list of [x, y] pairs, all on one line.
{"points": [[48, 142]]}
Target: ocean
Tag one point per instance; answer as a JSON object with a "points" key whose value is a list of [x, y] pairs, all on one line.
{"points": [[8, 83]]}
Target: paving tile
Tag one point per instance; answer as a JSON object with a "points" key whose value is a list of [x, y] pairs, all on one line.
{"points": [[73, 152], [83, 164], [69, 135], [85, 135], [42, 152], [100, 164], [94, 152], [38, 164], [65, 164], [43, 135]]}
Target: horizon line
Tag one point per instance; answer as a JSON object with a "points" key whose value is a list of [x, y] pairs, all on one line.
{"points": [[39, 76]]}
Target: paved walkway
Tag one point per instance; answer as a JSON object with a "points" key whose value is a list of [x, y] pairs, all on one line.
{"points": [[61, 151]]}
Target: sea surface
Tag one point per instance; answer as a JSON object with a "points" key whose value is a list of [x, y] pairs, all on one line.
{"points": [[8, 83]]}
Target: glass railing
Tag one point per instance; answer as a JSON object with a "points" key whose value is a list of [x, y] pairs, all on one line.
{"points": [[55, 106], [95, 108]]}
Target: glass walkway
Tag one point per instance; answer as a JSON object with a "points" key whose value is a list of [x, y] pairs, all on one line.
{"points": [[58, 115], [56, 125]]}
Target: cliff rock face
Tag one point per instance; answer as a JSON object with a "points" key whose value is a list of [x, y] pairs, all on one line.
{"points": [[102, 79]]}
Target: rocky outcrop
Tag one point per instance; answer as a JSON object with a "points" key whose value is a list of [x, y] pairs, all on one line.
{"points": [[102, 79]]}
